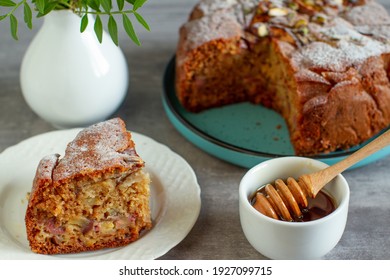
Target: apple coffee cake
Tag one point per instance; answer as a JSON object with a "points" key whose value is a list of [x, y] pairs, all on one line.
{"points": [[324, 65], [96, 196]]}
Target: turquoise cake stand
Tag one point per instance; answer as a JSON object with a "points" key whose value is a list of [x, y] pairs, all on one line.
{"points": [[243, 134]]}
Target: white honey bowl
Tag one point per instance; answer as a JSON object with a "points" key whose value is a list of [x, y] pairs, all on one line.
{"points": [[291, 240]]}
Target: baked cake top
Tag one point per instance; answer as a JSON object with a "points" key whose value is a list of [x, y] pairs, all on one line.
{"points": [[326, 34], [214, 19], [315, 34], [100, 147], [207, 28], [105, 147]]}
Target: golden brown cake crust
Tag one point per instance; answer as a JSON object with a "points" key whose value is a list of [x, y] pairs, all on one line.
{"points": [[98, 183], [100, 148], [324, 65]]}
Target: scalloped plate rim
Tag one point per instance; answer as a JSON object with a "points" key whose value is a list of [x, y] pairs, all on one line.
{"points": [[168, 229]]}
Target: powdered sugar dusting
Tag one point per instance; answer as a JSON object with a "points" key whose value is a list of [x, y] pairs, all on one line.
{"points": [[45, 168], [96, 148], [210, 6], [218, 19], [372, 14], [215, 26], [342, 46], [44, 172]]}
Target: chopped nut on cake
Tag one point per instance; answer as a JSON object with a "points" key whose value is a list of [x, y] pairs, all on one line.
{"points": [[323, 65]]}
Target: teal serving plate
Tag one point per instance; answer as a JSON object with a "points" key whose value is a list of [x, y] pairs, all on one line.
{"points": [[243, 134]]}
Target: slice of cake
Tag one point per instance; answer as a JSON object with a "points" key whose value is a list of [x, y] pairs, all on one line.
{"points": [[324, 65], [96, 196]]}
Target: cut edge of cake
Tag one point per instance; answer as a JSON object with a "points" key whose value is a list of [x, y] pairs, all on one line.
{"points": [[96, 196], [333, 88]]}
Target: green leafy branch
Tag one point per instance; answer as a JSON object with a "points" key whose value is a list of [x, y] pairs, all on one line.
{"points": [[99, 8]]}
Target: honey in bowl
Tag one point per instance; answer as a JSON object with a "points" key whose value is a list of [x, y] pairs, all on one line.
{"points": [[320, 206]]}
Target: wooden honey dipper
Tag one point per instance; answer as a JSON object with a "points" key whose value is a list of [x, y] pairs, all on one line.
{"points": [[286, 200]]}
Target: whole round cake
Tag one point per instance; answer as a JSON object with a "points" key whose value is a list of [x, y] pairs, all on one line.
{"points": [[324, 65]]}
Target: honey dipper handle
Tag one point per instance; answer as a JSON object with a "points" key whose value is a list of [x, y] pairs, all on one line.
{"points": [[314, 182]]}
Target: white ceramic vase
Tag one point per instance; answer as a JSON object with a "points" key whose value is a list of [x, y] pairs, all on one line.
{"points": [[70, 79]]}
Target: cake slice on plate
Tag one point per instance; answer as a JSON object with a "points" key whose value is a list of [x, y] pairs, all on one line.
{"points": [[96, 196]]}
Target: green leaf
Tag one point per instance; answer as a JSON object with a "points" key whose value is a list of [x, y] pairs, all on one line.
{"points": [[107, 5], [7, 3], [113, 30], [98, 27], [130, 1], [14, 26], [27, 15], [141, 21], [138, 4], [49, 7], [121, 4], [94, 5], [84, 23], [3, 17], [40, 4], [128, 26]]}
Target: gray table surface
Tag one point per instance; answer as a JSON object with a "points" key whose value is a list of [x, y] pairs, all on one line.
{"points": [[217, 233]]}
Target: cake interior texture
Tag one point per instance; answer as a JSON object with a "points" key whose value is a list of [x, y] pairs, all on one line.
{"points": [[323, 65], [96, 197]]}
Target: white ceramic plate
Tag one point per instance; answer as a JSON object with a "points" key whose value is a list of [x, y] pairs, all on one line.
{"points": [[175, 198]]}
